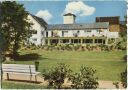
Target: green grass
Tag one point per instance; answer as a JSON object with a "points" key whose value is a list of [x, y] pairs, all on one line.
{"points": [[109, 65], [19, 85]]}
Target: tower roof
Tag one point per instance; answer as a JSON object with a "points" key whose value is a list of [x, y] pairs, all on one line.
{"points": [[70, 14]]}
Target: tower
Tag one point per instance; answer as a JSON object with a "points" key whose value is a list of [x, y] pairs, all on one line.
{"points": [[69, 18]]}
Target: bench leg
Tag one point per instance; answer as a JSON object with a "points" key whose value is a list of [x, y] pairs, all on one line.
{"points": [[30, 77], [7, 76], [35, 78]]}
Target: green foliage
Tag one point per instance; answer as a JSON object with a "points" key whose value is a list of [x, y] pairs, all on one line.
{"points": [[2, 43], [116, 84], [77, 47], [124, 78], [111, 41], [85, 79], [14, 25], [56, 75], [122, 43], [18, 85]]}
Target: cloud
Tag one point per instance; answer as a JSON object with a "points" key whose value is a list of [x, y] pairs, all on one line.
{"points": [[79, 8], [45, 14]]}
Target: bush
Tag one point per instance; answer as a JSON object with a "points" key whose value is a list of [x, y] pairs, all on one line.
{"points": [[122, 43], [124, 78], [56, 75], [85, 79]]}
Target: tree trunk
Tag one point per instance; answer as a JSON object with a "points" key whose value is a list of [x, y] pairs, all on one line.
{"points": [[15, 48]]}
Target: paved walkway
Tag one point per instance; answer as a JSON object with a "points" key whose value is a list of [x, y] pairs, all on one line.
{"points": [[102, 84]]}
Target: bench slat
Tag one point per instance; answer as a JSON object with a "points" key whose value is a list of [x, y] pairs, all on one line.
{"points": [[32, 69], [19, 68], [23, 70], [17, 65], [21, 73], [11, 70]]}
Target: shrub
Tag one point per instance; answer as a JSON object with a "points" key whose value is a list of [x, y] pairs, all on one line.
{"points": [[122, 43], [111, 41], [124, 78], [85, 79], [88, 47], [56, 75]]}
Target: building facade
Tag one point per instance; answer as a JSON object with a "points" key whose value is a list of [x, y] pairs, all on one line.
{"points": [[70, 32], [38, 30]]}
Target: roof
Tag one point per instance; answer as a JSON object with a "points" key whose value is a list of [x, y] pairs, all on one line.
{"points": [[108, 16], [110, 19], [78, 26], [69, 14], [39, 20]]}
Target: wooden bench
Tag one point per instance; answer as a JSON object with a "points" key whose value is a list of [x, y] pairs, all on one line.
{"points": [[20, 69]]}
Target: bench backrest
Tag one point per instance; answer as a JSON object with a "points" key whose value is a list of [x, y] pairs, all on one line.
{"points": [[19, 68]]}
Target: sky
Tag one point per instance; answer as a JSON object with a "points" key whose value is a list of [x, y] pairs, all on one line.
{"points": [[86, 11]]}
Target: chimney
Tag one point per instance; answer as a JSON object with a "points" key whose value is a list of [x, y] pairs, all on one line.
{"points": [[69, 18]]}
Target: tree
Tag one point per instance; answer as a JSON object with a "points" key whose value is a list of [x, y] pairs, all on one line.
{"points": [[122, 42], [15, 26]]}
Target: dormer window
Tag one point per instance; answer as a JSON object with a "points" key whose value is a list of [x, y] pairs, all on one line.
{"points": [[34, 32], [42, 32], [87, 31], [99, 30], [34, 39]]}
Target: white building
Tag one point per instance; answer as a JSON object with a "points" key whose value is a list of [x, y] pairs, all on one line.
{"points": [[73, 33], [70, 32], [38, 27]]}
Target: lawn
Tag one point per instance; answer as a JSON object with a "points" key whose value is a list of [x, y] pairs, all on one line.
{"points": [[20, 85], [109, 65]]}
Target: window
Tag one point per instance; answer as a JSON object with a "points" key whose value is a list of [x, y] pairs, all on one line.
{"points": [[87, 31], [75, 41], [46, 41], [42, 32], [76, 33], [46, 34], [64, 33], [65, 40], [54, 41], [98, 40], [34, 39], [88, 41], [34, 32], [98, 31], [103, 41], [52, 33]]}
